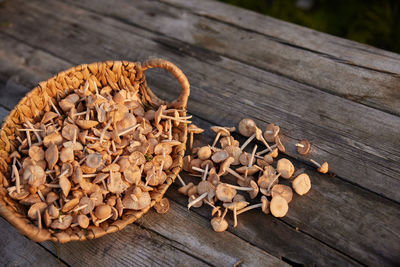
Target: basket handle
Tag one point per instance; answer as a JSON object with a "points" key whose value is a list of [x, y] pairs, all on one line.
{"points": [[181, 102]]}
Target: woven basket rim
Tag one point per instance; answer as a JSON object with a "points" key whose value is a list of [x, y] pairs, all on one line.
{"points": [[109, 73]]}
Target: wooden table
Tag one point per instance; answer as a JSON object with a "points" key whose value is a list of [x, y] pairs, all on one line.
{"points": [[341, 95]]}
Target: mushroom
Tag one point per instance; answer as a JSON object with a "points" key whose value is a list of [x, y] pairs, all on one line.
{"points": [[196, 200], [115, 184], [66, 154], [69, 131], [162, 206], [271, 131], [52, 138], [48, 116], [184, 189], [204, 153], [32, 212], [224, 131], [220, 156], [283, 191], [70, 205], [102, 211], [235, 152], [35, 175], [279, 144], [68, 102], [136, 201], [225, 193], [224, 167], [65, 185], [301, 184], [321, 168], [83, 221], [235, 206], [264, 205], [303, 147], [36, 153], [285, 168], [51, 197], [94, 160], [64, 224], [51, 156], [219, 224], [279, 206], [253, 189]]}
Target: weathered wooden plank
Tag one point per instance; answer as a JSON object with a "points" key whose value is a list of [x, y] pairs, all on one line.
{"points": [[3, 113], [352, 220], [342, 131], [193, 234], [17, 250], [132, 246], [302, 249], [362, 73]]}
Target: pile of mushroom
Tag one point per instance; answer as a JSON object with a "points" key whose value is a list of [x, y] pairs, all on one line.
{"points": [[256, 174], [93, 155]]}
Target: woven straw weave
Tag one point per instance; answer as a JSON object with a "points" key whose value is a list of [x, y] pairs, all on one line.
{"points": [[116, 74]]}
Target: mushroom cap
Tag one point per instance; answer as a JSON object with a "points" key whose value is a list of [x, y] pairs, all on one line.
{"points": [[97, 198], [255, 190], [48, 116], [129, 120], [65, 185], [94, 160], [240, 204], [265, 205], [162, 206], [19, 196], [235, 152], [68, 206], [205, 186], [115, 184], [267, 181], [279, 144], [163, 147], [36, 153], [124, 163], [73, 145], [137, 157], [51, 156], [220, 156], [303, 150], [102, 211], [192, 128], [207, 162], [195, 163], [278, 206], [270, 137], [133, 175], [283, 191], [32, 212], [86, 201], [224, 131], [301, 184], [244, 159], [186, 161], [204, 153], [35, 175], [250, 170], [31, 199], [274, 153], [219, 224], [83, 221], [225, 193], [285, 168], [64, 224], [213, 179], [69, 130], [66, 154], [158, 113], [142, 202], [86, 124], [51, 197], [225, 165], [324, 168], [247, 127], [53, 138], [184, 189]]}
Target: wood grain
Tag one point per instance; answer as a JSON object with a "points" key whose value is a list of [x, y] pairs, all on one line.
{"points": [[17, 250], [340, 130], [362, 73]]}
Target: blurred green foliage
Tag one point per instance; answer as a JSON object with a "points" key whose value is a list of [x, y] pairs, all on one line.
{"points": [[374, 22]]}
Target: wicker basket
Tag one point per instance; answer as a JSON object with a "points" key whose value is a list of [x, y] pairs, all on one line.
{"points": [[116, 74]]}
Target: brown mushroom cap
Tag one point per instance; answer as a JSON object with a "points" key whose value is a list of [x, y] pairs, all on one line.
{"points": [[48, 116], [69, 130], [142, 202], [239, 204], [192, 128], [274, 153], [94, 160], [65, 185], [305, 149], [225, 165], [36, 153], [219, 224], [194, 163], [247, 127], [224, 131], [162, 206], [102, 211], [86, 124], [234, 152], [32, 212], [244, 159], [89, 205], [51, 197], [115, 184], [53, 138], [285, 168], [250, 170], [253, 194], [35, 175], [324, 168], [70, 205], [64, 224], [279, 144], [225, 193], [83, 221], [51, 156], [279, 206], [302, 184], [220, 156], [271, 131], [184, 189], [66, 154], [265, 205], [283, 191], [204, 153], [163, 147]]}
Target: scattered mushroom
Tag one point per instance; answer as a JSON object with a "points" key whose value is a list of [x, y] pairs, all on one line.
{"points": [[192, 130], [303, 147], [321, 168], [301, 184]]}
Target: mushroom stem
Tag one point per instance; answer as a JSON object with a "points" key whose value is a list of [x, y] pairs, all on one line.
{"points": [[54, 107], [229, 170], [170, 131], [234, 216], [181, 180], [28, 130], [128, 130], [53, 185], [80, 208], [223, 215], [248, 141], [103, 220], [17, 179], [63, 173], [199, 198], [258, 205], [252, 156], [315, 163], [34, 132], [41, 195], [28, 136], [91, 138], [116, 159], [191, 141], [270, 184], [198, 169], [216, 139], [299, 145], [161, 168], [39, 219], [90, 175], [87, 117], [240, 188], [259, 153], [266, 144], [212, 206], [104, 130], [205, 173], [79, 113]]}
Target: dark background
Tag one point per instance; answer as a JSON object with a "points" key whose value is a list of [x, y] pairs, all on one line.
{"points": [[372, 22]]}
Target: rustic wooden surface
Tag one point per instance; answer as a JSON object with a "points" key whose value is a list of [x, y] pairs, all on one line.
{"points": [[343, 96]]}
